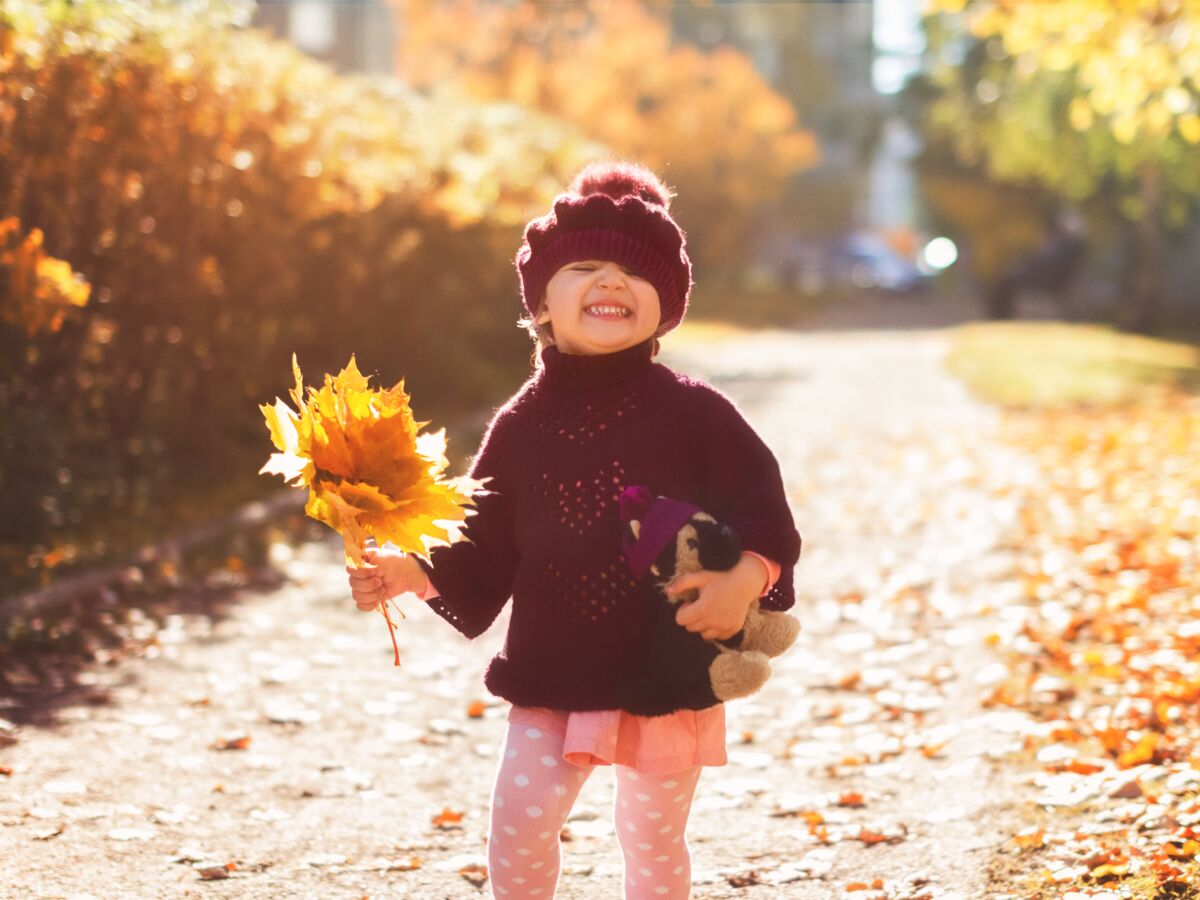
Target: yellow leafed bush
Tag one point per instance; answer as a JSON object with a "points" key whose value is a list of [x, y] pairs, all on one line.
{"points": [[230, 201], [38, 290]]}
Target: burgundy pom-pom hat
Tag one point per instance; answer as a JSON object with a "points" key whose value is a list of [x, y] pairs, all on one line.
{"points": [[617, 212]]}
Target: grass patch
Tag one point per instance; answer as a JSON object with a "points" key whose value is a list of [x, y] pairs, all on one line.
{"points": [[1052, 364]]}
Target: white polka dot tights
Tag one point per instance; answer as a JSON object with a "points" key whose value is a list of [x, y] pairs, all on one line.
{"points": [[535, 790]]}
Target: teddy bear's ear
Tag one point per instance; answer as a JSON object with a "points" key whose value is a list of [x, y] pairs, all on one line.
{"points": [[630, 532]]}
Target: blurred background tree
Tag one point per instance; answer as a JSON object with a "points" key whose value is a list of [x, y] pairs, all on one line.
{"points": [[184, 203], [1088, 102], [707, 120]]}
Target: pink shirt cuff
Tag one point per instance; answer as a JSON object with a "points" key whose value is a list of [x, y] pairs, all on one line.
{"points": [[429, 592], [772, 573]]}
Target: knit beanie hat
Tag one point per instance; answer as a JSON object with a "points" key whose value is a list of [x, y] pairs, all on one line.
{"points": [[616, 212], [660, 519]]}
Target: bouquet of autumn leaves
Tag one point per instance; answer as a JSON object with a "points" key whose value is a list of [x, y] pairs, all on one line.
{"points": [[368, 471]]}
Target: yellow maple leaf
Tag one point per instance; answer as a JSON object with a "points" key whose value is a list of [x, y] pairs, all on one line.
{"points": [[369, 471]]}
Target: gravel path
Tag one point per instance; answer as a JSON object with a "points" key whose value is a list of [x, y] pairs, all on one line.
{"points": [[867, 756]]}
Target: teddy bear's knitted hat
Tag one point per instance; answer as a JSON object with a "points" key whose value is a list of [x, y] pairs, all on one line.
{"points": [[660, 519], [612, 211]]}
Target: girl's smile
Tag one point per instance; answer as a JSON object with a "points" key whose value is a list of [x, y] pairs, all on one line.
{"points": [[599, 306], [608, 311]]}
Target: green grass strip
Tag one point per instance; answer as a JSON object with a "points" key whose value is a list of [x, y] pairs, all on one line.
{"points": [[1053, 364]]}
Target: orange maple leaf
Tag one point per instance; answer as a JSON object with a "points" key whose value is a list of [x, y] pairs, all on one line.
{"points": [[448, 818]]}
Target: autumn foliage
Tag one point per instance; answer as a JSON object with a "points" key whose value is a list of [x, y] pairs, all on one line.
{"points": [[707, 120], [40, 289], [229, 202], [1103, 654], [369, 471], [1091, 102]]}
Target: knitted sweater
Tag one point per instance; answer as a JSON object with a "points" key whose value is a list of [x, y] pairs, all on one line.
{"points": [[547, 533]]}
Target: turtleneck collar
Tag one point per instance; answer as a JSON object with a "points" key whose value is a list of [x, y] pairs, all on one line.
{"points": [[571, 370]]}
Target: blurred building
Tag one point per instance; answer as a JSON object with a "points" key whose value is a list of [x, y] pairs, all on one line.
{"points": [[350, 35], [819, 56]]}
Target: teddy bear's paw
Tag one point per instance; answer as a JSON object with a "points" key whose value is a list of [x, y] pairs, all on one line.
{"points": [[738, 674], [770, 632]]}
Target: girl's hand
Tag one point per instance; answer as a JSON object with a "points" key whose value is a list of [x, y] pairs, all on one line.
{"points": [[386, 573], [725, 597]]}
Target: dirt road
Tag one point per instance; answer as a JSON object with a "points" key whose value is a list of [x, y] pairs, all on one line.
{"points": [[867, 756]]}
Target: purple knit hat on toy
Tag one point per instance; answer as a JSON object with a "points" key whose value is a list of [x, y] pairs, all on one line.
{"points": [[660, 518], [612, 211]]}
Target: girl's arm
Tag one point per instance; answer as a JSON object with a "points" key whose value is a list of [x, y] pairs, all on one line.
{"points": [[473, 578], [743, 488], [719, 611]]}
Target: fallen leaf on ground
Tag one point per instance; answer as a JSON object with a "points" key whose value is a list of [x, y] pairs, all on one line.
{"points": [[811, 816], [475, 873], [743, 879], [241, 742], [1030, 838], [1110, 869], [875, 885], [448, 818], [215, 873]]}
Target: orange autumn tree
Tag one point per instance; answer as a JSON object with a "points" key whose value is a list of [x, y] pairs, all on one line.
{"points": [[707, 120]]}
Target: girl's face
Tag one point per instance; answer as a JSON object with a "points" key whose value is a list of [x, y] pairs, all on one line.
{"points": [[595, 306]]}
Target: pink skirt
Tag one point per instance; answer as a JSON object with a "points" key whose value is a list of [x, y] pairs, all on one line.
{"points": [[657, 746]]}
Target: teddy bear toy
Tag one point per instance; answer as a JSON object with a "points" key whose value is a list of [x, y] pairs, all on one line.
{"points": [[661, 539]]}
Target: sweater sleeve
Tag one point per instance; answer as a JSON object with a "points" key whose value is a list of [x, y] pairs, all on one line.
{"points": [[743, 487], [474, 576]]}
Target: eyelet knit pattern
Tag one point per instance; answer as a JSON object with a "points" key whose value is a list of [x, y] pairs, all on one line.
{"points": [[547, 534], [580, 504]]}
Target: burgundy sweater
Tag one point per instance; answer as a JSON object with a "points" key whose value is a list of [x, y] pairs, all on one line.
{"points": [[547, 534]]}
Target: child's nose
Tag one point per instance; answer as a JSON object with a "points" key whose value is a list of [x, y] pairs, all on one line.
{"points": [[611, 276]]}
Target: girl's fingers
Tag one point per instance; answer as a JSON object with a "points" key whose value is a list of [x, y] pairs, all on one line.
{"points": [[688, 582]]}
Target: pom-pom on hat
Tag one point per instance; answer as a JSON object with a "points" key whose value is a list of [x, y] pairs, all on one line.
{"points": [[612, 211], [659, 518]]}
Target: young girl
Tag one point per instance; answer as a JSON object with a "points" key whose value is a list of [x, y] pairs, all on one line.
{"points": [[603, 275]]}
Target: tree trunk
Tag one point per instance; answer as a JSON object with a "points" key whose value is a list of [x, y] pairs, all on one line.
{"points": [[1144, 295]]}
